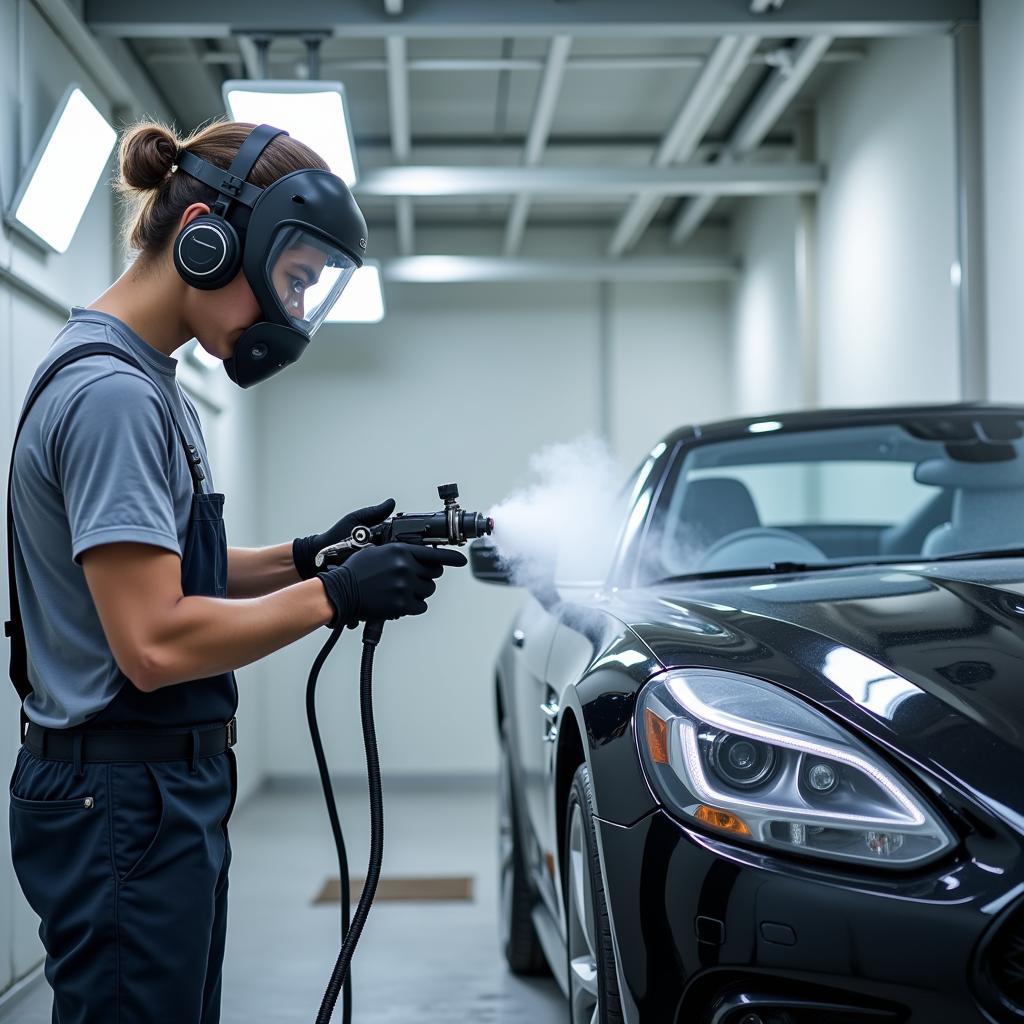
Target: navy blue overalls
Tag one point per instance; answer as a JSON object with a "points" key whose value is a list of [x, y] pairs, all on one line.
{"points": [[125, 858]]}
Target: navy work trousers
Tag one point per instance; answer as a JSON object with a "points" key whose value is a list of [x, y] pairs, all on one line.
{"points": [[126, 864]]}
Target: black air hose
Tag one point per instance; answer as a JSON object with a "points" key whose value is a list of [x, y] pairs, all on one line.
{"points": [[350, 932]]}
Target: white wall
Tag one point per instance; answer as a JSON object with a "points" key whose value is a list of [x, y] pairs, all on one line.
{"points": [[28, 93], [1003, 131], [460, 382], [886, 241], [887, 228], [767, 360]]}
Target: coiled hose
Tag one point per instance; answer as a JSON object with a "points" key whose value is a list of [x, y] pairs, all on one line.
{"points": [[341, 980]]}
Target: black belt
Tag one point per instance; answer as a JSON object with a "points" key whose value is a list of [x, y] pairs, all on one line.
{"points": [[130, 745]]}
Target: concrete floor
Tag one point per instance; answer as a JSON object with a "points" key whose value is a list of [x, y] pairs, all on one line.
{"points": [[416, 962]]}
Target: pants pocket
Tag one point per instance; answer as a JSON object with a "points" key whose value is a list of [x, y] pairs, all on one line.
{"points": [[138, 808], [57, 824], [52, 806]]}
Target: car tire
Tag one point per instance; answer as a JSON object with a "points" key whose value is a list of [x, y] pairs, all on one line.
{"points": [[593, 983], [517, 935]]}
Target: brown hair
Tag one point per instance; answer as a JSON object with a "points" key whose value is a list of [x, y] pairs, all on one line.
{"points": [[155, 198]]}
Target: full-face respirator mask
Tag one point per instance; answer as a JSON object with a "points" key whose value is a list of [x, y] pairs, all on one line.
{"points": [[298, 242]]}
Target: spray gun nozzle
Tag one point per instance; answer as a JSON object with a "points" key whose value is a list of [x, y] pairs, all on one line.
{"points": [[452, 525]]}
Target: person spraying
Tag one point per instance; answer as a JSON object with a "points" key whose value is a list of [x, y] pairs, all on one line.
{"points": [[129, 612]]}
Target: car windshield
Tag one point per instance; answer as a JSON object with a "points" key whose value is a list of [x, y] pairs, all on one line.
{"points": [[924, 489]]}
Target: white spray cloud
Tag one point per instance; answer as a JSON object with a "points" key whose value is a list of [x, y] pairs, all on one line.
{"points": [[563, 524]]}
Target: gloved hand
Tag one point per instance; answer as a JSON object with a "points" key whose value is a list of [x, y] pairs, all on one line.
{"points": [[385, 582], [304, 549]]}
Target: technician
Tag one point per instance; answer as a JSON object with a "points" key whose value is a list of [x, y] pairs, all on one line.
{"points": [[129, 612]]}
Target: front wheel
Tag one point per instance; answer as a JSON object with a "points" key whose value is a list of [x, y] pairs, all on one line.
{"points": [[593, 984]]}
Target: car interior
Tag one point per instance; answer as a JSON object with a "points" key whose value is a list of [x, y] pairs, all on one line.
{"points": [[952, 498]]}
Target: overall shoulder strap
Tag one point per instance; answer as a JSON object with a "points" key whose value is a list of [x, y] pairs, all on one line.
{"points": [[13, 627]]}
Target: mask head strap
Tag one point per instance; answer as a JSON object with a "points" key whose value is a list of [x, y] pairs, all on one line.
{"points": [[231, 184]]}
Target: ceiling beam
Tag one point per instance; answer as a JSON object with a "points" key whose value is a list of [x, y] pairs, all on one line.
{"points": [[65, 22], [482, 269], [537, 136], [473, 19], [638, 62], [726, 62], [567, 183], [757, 121]]}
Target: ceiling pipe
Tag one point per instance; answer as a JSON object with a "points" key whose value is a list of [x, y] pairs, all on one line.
{"points": [[758, 120]]}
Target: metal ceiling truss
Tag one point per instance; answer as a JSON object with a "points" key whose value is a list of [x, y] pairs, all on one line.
{"points": [[449, 19], [536, 139], [725, 64], [739, 27]]}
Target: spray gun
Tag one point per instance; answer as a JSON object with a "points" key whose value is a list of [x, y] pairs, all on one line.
{"points": [[454, 526], [450, 526]]}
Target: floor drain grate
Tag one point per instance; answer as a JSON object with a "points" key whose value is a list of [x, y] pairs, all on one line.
{"points": [[453, 888]]}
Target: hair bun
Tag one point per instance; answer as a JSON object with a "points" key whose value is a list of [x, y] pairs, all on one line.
{"points": [[147, 153]]}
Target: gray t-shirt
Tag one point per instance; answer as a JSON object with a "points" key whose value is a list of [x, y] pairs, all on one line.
{"points": [[98, 461]]}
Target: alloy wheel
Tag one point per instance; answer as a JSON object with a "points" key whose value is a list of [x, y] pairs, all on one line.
{"points": [[582, 956]]}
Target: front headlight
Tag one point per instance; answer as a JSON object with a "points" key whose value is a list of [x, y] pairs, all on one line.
{"points": [[749, 759]]}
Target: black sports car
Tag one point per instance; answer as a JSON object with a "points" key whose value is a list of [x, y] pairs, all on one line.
{"points": [[771, 768]]}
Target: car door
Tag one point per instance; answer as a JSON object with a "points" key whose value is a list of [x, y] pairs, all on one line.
{"points": [[532, 634]]}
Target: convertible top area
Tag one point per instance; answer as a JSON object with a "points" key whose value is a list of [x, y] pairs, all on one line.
{"points": [[837, 487]]}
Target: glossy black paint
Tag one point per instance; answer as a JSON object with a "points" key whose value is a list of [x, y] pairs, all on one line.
{"points": [[689, 910]]}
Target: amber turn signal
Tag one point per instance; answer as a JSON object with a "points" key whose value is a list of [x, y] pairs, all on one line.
{"points": [[722, 820], [657, 737]]}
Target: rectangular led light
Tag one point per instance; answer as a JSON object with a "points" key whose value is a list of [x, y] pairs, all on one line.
{"points": [[61, 179], [312, 112], [362, 301]]}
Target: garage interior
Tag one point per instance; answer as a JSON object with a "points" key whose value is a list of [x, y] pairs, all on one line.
{"points": [[590, 219]]}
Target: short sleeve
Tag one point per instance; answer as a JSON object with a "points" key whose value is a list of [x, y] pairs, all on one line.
{"points": [[111, 452]]}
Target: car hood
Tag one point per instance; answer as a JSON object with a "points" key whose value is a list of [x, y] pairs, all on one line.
{"points": [[929, 657]]}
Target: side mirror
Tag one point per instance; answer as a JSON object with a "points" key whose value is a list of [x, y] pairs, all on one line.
{"points": [[486, 564]]}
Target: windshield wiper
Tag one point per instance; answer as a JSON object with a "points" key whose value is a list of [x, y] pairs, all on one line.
{"points": [[966, 556], [775, 569], [786, 568]]}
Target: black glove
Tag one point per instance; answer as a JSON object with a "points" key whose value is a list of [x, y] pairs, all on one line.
{"points": [[304, 549], [385, 582]]}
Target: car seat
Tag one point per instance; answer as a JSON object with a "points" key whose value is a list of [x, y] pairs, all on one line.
{"points": [[987, 510]]}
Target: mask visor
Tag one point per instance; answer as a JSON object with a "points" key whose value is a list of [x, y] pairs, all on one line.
{"points": [[307, 274]]}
